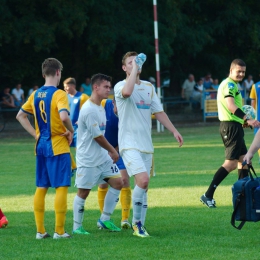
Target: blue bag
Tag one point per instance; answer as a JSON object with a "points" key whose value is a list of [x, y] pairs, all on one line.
{"points": [[246, 199]]}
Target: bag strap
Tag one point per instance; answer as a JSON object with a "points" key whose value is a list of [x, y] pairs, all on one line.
{"points": [[250, 168], [237, 203]]}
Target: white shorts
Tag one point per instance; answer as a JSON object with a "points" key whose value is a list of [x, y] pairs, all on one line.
{"points": [[137, 162], [88, 177]]}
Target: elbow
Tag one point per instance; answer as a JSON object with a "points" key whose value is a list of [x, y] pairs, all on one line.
{"points": [[126, 94]]}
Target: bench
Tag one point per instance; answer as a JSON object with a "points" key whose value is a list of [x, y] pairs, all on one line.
{"points": [[174, 103]]}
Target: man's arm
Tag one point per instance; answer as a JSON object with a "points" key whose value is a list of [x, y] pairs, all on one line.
{"points": [[164, 119], [253, 148], [67, 123], [102, 141], [23, 119], [130, 83], [233, 109]]}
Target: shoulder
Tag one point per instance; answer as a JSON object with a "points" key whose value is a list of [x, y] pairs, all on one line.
{"points": [[119, 84]]}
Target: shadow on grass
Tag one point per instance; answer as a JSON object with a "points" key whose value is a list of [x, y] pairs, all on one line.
{"points": [[176, 233]]}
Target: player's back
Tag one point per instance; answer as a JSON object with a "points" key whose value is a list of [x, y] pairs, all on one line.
{"points": [[45, 104]]}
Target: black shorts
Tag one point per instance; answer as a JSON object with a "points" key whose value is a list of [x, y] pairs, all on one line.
{"points": [[232, 134]]}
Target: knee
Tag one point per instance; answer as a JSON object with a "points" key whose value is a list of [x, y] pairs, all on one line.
{"points": [[117, 184]]}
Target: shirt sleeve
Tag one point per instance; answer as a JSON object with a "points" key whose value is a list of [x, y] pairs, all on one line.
{"points": [[156, 105], [62, 101], [118, 89], [29, 105], [253, 92], [229, 90]]}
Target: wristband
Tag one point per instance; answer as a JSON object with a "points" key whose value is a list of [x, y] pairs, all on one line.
{"points": [[239, 113]]}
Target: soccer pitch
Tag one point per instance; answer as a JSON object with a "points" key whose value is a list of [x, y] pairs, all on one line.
{"points": [[179, 225]]}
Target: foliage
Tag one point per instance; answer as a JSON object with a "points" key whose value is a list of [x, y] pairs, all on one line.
{"points": [[91, 36]]}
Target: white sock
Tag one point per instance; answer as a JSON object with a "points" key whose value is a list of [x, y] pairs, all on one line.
{"points": [[78, 212], [137, 198], [144, 209], [110, 202]]}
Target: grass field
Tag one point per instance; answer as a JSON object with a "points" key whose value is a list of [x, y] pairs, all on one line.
{"points": [[179, 225]]}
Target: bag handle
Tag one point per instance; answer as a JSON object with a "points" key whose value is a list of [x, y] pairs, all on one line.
{"points": [[239, 227], [250, 167]]}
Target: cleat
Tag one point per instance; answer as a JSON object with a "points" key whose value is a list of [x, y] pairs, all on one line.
{"points": [[209, 202], [3, 222], [108, 224], [57, 236], [139, 230], [80, 231], [125, 224], [145, 231], [42, 236]]}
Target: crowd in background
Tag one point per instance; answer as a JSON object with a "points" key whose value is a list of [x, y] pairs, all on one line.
{"points": [[192, 91]]}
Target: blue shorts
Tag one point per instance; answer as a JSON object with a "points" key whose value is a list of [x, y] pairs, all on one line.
{"points": [[53, 171], [120, 164]]}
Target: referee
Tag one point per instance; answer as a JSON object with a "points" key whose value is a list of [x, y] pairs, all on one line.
{"points": [[232, 120]]}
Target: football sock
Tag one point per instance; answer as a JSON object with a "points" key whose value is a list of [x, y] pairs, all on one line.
{"points": [[111, 200], [125, 198], [242, 173], [219, 176], [1, 214], [60, 206], [137, 201], [39, 206], [144, 208], [101, 197], [78, 212], [73, 163]]}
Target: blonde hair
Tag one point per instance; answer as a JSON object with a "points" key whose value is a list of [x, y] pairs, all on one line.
{"points": [[128, 54]]}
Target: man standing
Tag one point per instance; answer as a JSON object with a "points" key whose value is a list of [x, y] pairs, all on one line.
{"points": [[232, 119], [136, 101], [53, 133], [76, 100], [95, 157]]}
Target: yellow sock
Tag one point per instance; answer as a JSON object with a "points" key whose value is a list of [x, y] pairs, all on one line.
{"points": [[39, 206], [60, 205], [73, 163], [125, 198], [101, 197]]}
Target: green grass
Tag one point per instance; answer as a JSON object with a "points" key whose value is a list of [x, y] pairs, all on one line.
{"points": [[179, 225]]}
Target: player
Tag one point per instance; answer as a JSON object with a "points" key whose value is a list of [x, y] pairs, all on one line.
{"points": [[53, 134], [76, 100], [231, 116], [3, 219], [95, 157], [111, 134], [136, 100], [255, 103]]}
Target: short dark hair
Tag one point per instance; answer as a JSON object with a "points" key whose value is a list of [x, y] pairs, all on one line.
{"points": [[97, 78], [50, 66], [238, 62]]}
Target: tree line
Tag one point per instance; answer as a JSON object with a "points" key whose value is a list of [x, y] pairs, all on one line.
{"points": [[90, 36]]}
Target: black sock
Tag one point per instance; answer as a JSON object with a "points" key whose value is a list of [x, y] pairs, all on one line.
{"points": [[242, 173], [219, 176]]}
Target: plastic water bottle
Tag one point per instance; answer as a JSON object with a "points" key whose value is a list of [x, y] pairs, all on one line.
{"points": [[140, 59]]}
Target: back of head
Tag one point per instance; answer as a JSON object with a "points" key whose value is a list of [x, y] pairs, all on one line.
{"points": [[128, 54], [50, 67], [98, 78], [237, 62]]}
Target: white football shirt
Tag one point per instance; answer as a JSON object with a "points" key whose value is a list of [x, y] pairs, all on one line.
{"points": [[91, 124], [135, 116]]}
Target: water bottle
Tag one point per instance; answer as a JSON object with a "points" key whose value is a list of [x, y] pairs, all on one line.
{"points": [[140, 59]]}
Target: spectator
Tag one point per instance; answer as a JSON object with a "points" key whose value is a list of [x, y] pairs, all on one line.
{"points": [[247, 84], [215, 84], [6, 98], [187, 87], [207, 81], [197, 94], [86, 87], [35, 87], [18, 95]]}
